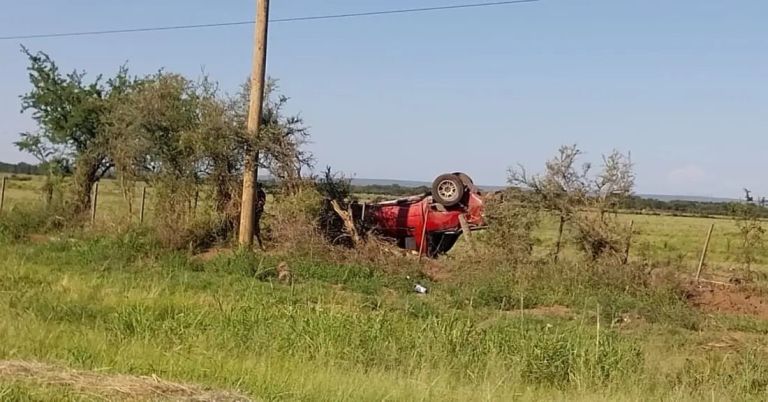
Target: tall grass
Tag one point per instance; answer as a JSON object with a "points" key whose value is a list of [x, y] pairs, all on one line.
{"points": [[21, 221], [348, 331]]}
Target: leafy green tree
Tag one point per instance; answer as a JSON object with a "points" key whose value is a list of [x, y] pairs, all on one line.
{"points": [[282, 138], [70, 112], [153, 137], [181, 136]]}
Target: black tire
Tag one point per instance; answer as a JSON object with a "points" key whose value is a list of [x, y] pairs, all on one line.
{"points": [[464, 178], [469, 184], [448, 189]]}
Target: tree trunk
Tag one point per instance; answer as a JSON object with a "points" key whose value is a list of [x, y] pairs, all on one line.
{"points": [[85, 175], [559, 241], [224, 198], [127, 189], [48, 192]]}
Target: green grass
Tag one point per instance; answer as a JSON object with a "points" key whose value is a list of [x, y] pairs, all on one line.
{"points": [[25, 191], [17, 391], [356, 331], [670, 241], [352, 332]]}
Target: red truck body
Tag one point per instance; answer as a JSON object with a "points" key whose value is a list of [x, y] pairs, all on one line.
{"points": [[429, 227]]}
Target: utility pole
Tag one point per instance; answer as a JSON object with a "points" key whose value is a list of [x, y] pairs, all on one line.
{"points": [[251, 168]]}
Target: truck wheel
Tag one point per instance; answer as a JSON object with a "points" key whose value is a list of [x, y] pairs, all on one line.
{"points": [[468, 182], [448, 189], [464, 178]]}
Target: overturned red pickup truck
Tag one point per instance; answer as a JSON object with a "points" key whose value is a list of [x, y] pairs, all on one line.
{"points": [[430, 223]]}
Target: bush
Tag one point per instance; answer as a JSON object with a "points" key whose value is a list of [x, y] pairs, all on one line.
{"points": [[290, 219], [511, 220], [197, 235], [600, 235], [20, 222]]}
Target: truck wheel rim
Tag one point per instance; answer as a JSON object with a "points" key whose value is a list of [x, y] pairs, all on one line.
{"points": [[447, 190]]}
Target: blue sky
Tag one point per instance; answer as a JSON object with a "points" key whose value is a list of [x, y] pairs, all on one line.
{"points": [[681, 84]]}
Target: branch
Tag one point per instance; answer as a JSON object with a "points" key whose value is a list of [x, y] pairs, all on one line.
{"points": [[349, 225]]}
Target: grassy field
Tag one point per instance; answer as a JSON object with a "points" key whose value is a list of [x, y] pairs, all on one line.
{"points": [[21, 191], [346, 328], [674, 241]]}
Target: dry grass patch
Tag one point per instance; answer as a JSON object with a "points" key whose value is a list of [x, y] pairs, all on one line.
{"points": [[109, 386]]}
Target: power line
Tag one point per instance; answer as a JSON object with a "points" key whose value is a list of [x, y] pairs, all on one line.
{"points": [[278, 20], [406, 11]]}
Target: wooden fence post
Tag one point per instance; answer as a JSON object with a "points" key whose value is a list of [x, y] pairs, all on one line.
{"points": [[2, 193], [559, 238], [629, 242], [94, 203], [194, 207], [423, 246], [704, 252], [143, 202]]}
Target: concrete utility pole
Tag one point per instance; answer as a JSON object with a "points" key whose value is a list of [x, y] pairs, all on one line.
{"points": [[251, 168]]}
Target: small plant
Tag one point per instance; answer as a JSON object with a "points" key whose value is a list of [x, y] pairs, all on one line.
{"points": [[511, 220], [751, 233]]}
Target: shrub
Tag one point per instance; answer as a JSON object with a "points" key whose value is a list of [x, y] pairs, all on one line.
{"points": [[751, 233], [20, 222], [197, 235], [290, 219], [511, 220], [600, 235]]}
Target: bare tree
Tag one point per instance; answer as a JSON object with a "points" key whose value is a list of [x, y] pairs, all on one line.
{"points": [[562, 189], [581, 198], [616, 180]]}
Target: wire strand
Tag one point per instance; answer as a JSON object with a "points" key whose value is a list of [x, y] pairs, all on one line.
{"points": [[278, 20]]}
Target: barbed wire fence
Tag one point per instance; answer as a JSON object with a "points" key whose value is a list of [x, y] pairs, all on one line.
{"points": [[6, 206]]}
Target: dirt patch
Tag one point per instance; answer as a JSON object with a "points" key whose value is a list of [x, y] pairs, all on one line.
{"points": [[38, 239], [110, 386], [629, 321], [212, 253], [44, 239], [731, 340], [551, 311], [727, 299], [435, 271]]}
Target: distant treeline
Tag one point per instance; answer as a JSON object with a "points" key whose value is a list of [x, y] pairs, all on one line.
{"points": [[19, 168], [647, 205], [679, 207], [388, 189]]}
